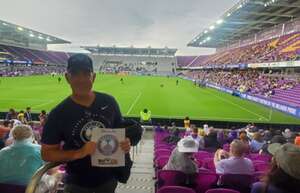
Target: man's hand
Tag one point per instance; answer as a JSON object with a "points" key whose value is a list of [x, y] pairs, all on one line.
{"points": [[125, 145], [88, 149]]}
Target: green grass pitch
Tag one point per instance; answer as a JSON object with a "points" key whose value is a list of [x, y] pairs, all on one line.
{"points": [[139, 92]]}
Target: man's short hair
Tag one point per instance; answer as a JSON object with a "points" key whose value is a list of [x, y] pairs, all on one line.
{"points": [[237, 147]]}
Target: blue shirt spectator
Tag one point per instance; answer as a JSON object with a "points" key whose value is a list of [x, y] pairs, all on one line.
{"points": [[20, 160]]}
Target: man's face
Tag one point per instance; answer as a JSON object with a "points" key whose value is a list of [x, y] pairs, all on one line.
{"points": [[81, 82]]}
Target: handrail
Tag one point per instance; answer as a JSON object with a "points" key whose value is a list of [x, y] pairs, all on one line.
{"points": [[36, 178]]}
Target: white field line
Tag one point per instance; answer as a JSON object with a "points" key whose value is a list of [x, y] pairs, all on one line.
{"points": [[134, 102], [239, 106]]}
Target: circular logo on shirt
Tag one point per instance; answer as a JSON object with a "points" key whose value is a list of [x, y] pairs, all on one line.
{"points": [[107, 145], [86, 132]]}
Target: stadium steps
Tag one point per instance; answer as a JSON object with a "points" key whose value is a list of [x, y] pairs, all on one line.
{"points": [[142, 172]]}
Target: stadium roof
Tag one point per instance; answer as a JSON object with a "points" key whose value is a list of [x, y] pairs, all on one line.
{"points": [[9, 30], [131, 51], [245, 18]]}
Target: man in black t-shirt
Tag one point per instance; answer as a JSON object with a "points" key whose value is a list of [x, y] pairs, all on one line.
{"points": [[71, 122]]}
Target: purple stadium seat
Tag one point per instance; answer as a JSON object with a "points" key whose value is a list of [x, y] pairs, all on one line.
{"points": [[205, 181], [208, 163], [160, 162], [10, 188], [239, 182], [261, 166], [221, 190], [170, 178], [175, 189]]}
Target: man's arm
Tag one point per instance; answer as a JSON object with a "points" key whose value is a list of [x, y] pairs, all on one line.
{"points": [[54, 153]]}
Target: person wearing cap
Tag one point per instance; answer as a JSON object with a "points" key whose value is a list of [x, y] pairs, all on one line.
{"points": [[284, 175], [236, 163], [21, 159], [71, 123], [181, 156]]}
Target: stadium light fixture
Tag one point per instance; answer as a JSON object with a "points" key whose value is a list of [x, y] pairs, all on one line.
{"points": [[205, 31], [4, 23], [48, 39], [31, 35], [220, 21], [212, 27], [20, 29], [40, 37], [208, 38], [228, 14]]}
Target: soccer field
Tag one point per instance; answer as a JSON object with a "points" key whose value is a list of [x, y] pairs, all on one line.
{"points": [[139, 92]]}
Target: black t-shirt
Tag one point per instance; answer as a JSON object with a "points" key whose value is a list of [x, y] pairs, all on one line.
{"points": [[72, 124]]}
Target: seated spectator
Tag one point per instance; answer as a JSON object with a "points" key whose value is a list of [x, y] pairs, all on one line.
{"points": [[289, 135], [284, 175], [220, 155], [221, 137], [236, 163], [4, 131], [21, 117], [12, 114], [43, 117], [199, 139], [243, 137], [174, 137], [181, 158], [211, 141], [26, 157], [275, 139], [257, 142], [233, 134]]}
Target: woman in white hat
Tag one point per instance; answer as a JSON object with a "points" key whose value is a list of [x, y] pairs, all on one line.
{"points": [[181, 158]]}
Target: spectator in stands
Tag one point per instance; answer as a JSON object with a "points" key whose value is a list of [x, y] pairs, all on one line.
{"points": [[297, 140], [220, 154], [221, 137], [181, 158], [244, 138], [12, 114], [186, 123], [21, 117], [289, 135], [199, 139], [145, 116], [89, 111], [4, 131], [26, 157], [174, 137], [210, 140], [27, 115], [236, 163], [284, 175], [206, 129], [43, 117], [257, 142], [158, 128], [275, 139], [233, 134]]}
